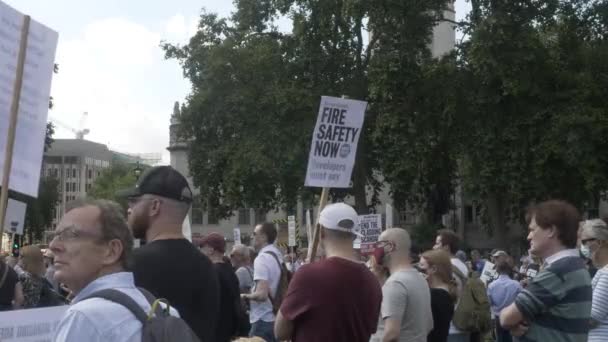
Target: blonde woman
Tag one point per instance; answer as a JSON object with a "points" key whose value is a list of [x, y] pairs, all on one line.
{"points": [[594, 246], [32, 279], [437, 267]]}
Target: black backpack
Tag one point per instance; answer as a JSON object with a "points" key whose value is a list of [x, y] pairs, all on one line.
{"points": [[158, 324]]}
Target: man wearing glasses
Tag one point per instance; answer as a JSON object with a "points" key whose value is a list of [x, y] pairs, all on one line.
{"points": [[169, 265], [91, 246]]}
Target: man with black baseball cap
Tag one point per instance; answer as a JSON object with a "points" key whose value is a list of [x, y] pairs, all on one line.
{"points": [[168, 265]]}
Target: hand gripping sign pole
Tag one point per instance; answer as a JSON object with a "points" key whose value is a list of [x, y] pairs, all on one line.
{"points": [[333, 150], [10, 140]]}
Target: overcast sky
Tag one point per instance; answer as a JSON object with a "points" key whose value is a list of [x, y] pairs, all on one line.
{"points": [[111, 66]]}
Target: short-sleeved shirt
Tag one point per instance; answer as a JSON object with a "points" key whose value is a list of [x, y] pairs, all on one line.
{"points": [[265, 267], [557, 302], [176, 270], [406, 297], [599, 307], [334, 300], [245, 276]]}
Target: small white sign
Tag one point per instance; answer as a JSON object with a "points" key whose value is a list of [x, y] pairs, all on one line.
{"points": [[32, 325], [334, 142], [488, 273], [237, 236], [34, 102], [291, 230], [15, 216], [370, 227], [389, 216]]}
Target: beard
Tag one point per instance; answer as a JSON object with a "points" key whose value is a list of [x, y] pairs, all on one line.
{"points": [[139, 225]]}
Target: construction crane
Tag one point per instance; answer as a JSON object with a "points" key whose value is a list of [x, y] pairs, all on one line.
{"points": [[81, 131]]}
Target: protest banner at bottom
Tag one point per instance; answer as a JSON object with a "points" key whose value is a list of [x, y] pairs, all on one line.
{"points": [[31, 325]]}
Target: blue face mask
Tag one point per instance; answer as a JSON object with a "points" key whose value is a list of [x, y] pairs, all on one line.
{"points": [[586, 251]]}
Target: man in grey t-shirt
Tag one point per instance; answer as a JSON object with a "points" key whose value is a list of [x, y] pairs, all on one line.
{"points": [[241, 261], [406, 298]]}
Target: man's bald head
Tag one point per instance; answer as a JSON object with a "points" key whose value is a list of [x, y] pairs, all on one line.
{"points": [[400, 237]]}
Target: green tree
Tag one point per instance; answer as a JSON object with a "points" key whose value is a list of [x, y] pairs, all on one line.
{"points": [[536, 109], [117, 177], [256, 92]]}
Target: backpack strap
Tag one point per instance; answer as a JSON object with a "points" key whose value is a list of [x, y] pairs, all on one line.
{"points": [[274, 255], [121, 298], [154, 307]]}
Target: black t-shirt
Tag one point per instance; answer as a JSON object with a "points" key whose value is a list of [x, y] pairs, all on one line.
{"points": [[7, 291], [179, 272], [442, 307], [229, 302]]}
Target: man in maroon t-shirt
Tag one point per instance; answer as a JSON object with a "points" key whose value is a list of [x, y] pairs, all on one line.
{"points": [[337, 299]]}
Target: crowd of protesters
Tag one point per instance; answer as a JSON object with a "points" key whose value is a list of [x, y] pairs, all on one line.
{"points": [[557, 292]]}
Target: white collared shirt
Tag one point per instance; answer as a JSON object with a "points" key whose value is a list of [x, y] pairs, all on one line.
{"points": [[265, 267], [561, 254], [99, 320]]}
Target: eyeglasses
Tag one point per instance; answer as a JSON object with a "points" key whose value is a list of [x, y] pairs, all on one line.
{"points": [[72, 233], [585, 241]]}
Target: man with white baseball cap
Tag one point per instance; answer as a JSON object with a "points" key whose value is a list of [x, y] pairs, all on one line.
{"points": [[337, 299]]}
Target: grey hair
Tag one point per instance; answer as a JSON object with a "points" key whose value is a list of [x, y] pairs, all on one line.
{"points": [[597, 229], [243, 251], [111, 222]]}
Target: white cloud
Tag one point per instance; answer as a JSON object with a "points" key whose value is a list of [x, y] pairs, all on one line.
{"points": [[179, 29], [116, 71]]}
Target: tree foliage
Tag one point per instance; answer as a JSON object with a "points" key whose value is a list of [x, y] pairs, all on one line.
{"points": [[117, 177], [536, 111], [256, 91], [518, 113]]}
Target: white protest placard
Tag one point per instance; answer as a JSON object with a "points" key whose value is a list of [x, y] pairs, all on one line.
{"points": [[370, 228], [389, 216], [334, 142], [35, 92], [291, 231], [32, 325], [237, 236], [488, 273], [15, 216]]}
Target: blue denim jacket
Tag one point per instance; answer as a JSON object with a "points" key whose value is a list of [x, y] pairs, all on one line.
{"points": [[97, 319]]}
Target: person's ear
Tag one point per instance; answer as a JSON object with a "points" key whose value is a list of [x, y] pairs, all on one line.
{"points": [[113, 252]]}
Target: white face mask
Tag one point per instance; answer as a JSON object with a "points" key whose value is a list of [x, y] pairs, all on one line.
{"points": [[288, 264], [586, 251]]}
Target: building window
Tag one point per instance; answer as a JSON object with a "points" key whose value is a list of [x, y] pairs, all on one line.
{"points": [[212, 217], [244, 217], [260, 216], [73, 173], [468, 214], [197, 216], [74, 187], [90, 174]]}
